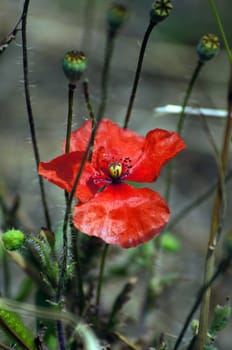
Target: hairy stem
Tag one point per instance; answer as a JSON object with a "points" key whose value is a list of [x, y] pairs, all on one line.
{"points": [[138, 72], [71, 89], [88, 103], [29, 111]]}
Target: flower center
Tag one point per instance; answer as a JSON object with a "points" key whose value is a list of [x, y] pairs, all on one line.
{"points": [[115, 170]]}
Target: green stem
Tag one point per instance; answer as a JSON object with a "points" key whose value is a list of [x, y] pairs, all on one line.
{"points": [[214, 229], [63, 264], [29, 110], [71, 89], [74, 246], [105, 74], [138, 72], [104, 84], [180, 125], [69, 206], [187, 96], [221, 29], [100, 277], [88, 104]]}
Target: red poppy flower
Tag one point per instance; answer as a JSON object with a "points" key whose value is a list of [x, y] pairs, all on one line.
{"points": [[108, 207]]}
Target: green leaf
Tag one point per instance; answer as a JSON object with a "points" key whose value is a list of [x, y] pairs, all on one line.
{"points": [[221, 318], [14, 327]]}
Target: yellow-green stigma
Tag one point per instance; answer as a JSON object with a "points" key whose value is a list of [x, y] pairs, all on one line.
{"points": [[161, 9], [115, 170]]}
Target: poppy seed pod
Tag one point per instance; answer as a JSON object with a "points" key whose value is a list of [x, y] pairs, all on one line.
{"points": [[74, 64], [13, 239], [161, 9], [116, 16], [208, 47]]}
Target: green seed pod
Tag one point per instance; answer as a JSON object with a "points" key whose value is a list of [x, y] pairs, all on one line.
{"points": [[160, 10], [116, 16], [74, 64], [13, 239], [208, 47]]}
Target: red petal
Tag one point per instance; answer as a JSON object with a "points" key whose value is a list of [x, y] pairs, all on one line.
{"points": [[62, 172], [122, 215], [159, 147], [109, 136]]}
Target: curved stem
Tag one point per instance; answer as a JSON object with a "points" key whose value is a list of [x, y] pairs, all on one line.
{"points": [[138, 72], [215, 228], [180, 125], [105, 74], [69, 205], [187, 95], [221, 29], [29, 110]]}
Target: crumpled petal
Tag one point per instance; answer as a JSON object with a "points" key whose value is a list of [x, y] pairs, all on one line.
{"points": [[159, 147], [62, 172], [122, 215], [109, 136]]}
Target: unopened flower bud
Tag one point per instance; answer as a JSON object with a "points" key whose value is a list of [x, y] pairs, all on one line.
{"points": [[74, 64], [13, 239], [208, 47], [116, 16], [161, 9], [195, 326]]}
